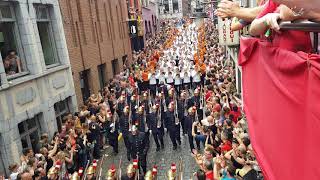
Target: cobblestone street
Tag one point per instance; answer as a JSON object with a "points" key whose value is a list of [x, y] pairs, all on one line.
{"points": [[162, 159]]}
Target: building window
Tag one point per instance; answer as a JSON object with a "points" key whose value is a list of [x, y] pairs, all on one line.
{"points": [[46, 35], [61, 109], [11, 49], [150, 29], [29, 131], [102, 75], [175, 6], [146, 26], [115, 67], [84, 84], [124, 60], [166, 6]]}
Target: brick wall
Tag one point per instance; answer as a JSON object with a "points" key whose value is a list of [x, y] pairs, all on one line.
{"points": [[96, 33]]}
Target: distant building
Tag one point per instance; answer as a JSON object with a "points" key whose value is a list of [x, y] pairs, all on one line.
{"points": [[150, 17], [98, 42], [35, 96], [170, 9], [186, 8]]}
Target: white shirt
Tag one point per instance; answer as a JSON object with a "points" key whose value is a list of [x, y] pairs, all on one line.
{"points": [[177, 80], [169, 79], [186, 79], [196, 77], [162, 78], [152, 80]]}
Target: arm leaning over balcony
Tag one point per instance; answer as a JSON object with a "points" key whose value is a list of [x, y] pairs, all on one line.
{"points": [[270, 21], [232, 9]]}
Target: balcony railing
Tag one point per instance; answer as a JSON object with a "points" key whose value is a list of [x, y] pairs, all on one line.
{"points": [[304, 25]]}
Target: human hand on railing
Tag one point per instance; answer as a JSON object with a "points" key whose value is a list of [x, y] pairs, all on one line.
{"points": [[227, 9], [271, 20]]}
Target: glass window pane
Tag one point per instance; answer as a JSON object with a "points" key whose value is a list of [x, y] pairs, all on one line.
{"points": [[46, 42], [6, 11], [34, 138], [31, 123], [42, 13], [21, 128], [62, 106], [24, 142], [59, 123]]}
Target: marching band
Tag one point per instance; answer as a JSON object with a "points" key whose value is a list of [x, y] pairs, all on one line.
{"points": [[164, 96]]}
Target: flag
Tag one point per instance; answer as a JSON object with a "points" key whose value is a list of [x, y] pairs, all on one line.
{"points": [[281, 94]]}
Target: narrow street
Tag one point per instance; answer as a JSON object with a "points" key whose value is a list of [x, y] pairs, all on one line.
{"points": [[162, 159]]}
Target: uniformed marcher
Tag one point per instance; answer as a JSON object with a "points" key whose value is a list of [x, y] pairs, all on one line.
{"points": [[153, 122], [140, 119], [177, 82], [94, 136], [145, 101], [186, 80], [120, 105], [153, 84], [171, 126], [139, 146], [195, 101], [112, 131], [124, 125], [189, 119], [182, 108], [170, 79]]}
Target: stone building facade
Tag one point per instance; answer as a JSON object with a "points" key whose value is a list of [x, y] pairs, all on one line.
{"points": [[35, 95], [98, 41]]}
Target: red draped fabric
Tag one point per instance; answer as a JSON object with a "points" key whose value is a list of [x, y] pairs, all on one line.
{"points": [[281, 94]]}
